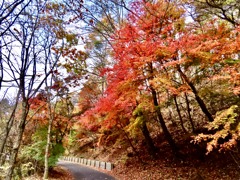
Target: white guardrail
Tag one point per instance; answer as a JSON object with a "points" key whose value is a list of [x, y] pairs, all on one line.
{"points": [[94, 163]]}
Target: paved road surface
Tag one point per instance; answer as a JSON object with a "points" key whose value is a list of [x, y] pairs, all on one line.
{"points": [[80, 172]]}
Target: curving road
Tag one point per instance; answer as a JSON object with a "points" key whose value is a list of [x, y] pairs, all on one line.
{"points": [[80, 172]]}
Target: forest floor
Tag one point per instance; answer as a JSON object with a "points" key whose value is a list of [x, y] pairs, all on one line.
{"points": [[165, 167], [59, 173], [191, 164]]}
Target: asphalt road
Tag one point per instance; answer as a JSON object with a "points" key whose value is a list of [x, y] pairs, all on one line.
{"points": [[80, 172]]}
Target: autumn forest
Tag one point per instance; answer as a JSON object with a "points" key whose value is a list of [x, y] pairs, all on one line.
{"points": [[149, 82]]}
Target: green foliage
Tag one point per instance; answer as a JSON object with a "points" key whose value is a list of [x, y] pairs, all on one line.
{"points": [[225, 128], [139, 118], [36, 150], [138, 113], [72, 137], [231, 61], [56, 151]]}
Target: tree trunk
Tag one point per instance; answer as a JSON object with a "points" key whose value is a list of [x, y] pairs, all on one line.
{"points": [[148, 139], [162, 123], [7, 131], [189, 112], [5, 138], [159, 114], [21, 127], [150, 145], [197, 97], [47, 149], [179, 114], [129, 141]]}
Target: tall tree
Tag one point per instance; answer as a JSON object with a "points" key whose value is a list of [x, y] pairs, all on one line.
{"points": [[35, 33], [143, 44]]}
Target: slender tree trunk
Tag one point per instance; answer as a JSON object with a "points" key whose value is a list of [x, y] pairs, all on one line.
{"points": [[189, 112], [162, 123], [168, 106], [197, 97], [7, 131], [47, 149], [148, 139], [21, 127], [5, 138], [179, 114], [130, 142], [159, 114], [150, 145], [133, 148]]}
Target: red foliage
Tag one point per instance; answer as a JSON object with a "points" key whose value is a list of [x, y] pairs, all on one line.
{"points": [[156, 35], [135, 45]]}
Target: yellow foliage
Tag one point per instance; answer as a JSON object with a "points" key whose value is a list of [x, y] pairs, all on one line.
{"points": [[226, 128]]}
